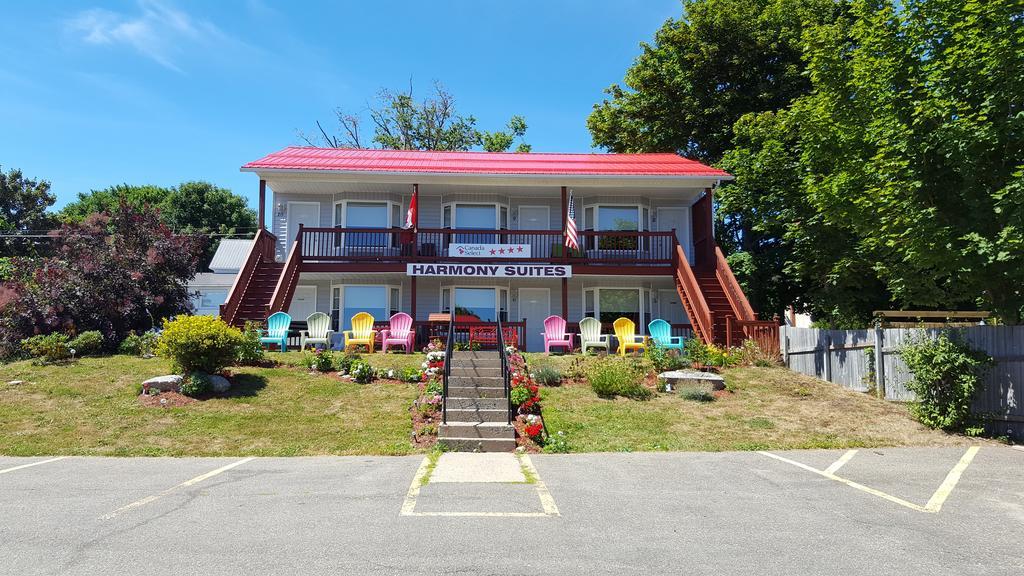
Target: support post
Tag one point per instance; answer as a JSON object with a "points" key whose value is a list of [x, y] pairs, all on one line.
{"points": [[416, 214], [262, 211], [828, 357], [565, 299], [412, 295], [880, 362], [565, 208]]}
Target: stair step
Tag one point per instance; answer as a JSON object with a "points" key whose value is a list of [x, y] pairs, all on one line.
{"points": [[475, 362], [478, 444], [476, 430], [479, 404], [475, 392], [488, 381], [470, 371], [474, 415], [484, 354]]}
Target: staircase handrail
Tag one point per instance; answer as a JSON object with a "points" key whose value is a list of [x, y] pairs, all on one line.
{"points": [[701, 310], [262, 248], [505, 376], [733, 292], [446, 370], [285, 288]]}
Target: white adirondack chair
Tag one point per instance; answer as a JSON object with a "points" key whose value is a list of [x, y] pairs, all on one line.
{"points": [[591, 337], [318, 331]]}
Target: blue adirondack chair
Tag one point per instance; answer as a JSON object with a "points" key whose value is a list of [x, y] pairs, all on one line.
{"points": [[277, 330], [661, 333]]}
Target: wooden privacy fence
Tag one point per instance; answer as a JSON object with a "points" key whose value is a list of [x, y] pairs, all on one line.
{"points": [[866, 360]]}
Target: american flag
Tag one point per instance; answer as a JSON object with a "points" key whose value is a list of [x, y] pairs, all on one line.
{"points": [[571, 239]]}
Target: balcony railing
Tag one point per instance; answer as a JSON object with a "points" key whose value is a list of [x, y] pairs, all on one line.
{"points": [[394, 245]]}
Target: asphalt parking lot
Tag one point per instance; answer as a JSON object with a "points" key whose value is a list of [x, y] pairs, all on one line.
{"points": [[810, 512]]}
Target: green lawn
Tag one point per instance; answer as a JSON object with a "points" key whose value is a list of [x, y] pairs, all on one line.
{"points": [[91, 407]]}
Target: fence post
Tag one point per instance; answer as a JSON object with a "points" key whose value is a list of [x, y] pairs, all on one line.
{"points": [[785, 348], [828, 357], [879, 362]]}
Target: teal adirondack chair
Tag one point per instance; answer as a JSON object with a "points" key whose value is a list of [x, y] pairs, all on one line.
{"points": [[661, 333], [277, 330], [318, 331], [590, 335]]}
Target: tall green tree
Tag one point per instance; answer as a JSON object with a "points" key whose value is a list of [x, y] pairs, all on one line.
{"points": [[107, 199], [401, 122], [23, 205]]}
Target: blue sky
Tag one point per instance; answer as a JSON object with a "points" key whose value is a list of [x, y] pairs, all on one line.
{"points": [[163, 91]]}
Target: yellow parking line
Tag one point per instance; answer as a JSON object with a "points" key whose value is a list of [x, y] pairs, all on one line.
{"points": [[409, 504], [840, 462], [546, 500], [935, 502]]}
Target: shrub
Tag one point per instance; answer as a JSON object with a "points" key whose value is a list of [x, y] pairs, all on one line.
{"points": [[697, 395], [946, 375], [87, 343], [250, 350], [434, 387], [201, 343], [695, 351], [46, 349], [195, 384], [346, 361], [139, 344], [411, 374], [318, 360], [362, 372], [556, 443], [519, 395], [548, 376], [610, 377], [750, 354]]}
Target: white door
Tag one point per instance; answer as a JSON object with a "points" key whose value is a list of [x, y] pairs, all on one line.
{"points": [[305, 213], [670, 307], [303, 303], [679, 220], [534, 306], [537, 218]]}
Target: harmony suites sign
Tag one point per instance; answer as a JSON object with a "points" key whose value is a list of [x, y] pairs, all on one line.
{"points": [[490, 270]]}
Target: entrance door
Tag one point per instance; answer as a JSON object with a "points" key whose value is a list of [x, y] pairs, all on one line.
{"points": [[303, 303], [537, 218], [678, 219], [670, 308], [534, 306], [305, 213]]}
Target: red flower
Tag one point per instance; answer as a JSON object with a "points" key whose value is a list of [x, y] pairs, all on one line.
{"points": [[533, 430]]}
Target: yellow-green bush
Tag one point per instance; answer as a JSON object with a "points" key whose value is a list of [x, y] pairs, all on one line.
{"points": [[203, 343]]}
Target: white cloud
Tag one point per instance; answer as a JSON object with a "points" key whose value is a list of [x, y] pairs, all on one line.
{"points": [[158, 31]]}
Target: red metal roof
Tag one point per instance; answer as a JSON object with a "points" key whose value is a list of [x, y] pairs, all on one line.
{"points": [[418, 161]]}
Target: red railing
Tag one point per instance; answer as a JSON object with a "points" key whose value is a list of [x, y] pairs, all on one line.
{"points": [[433, 245], [764, 332], [737, 299], [693, 298], [289, 279], [262, 249]]}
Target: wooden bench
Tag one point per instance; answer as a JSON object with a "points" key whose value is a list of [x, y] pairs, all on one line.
{"points": [[488, 336]]}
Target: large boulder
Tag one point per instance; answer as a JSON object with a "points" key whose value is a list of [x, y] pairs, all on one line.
{"points": [[170, 383], [693, 379], [219, 384]]}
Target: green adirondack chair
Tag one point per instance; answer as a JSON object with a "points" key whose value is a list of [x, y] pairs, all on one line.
{"points": [[591, 337], [318, 331], [277, 330], [661, 333]]}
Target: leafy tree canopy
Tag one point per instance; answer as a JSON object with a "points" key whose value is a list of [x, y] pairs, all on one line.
{"points": [[23, 204], [400, 122]]}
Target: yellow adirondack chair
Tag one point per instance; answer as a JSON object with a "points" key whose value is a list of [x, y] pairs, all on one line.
{"points": [[362, 332], [625, 333]]}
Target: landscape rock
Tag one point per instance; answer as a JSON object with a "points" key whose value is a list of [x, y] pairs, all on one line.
{"points": [[170, 383], [219, 384], [693, 379]]}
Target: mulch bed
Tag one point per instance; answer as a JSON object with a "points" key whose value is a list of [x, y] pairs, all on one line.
{"points": [[424, 427], [165, 400]]}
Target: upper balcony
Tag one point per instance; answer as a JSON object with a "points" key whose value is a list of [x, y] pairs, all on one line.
{"points": [[324, 248]]}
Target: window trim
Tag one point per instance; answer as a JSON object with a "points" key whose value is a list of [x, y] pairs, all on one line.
{"points": [[389, 207], [341, 300], [451, 288], [646, 306], [453, 207], [644, 226]]}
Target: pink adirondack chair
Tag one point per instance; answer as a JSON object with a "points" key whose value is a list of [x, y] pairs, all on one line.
{"points": [[555, 334], [399, 333]]}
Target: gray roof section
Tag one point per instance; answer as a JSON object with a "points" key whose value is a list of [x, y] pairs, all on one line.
{"points": [[211, 280], [230, 256]]}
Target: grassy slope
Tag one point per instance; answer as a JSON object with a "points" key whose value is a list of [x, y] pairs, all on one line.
{"points": [[90, 407], [771, 408]]}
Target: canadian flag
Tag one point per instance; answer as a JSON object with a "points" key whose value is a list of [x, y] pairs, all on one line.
{"points": [[410, 216]]}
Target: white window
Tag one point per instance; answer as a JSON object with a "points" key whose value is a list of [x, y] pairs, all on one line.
{"points": [[610, 304], [471, 216], [380, 301], [472, 303], [360, 214]]}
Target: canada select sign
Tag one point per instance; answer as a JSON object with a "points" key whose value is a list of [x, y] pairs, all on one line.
{"points": [[490, 270]]}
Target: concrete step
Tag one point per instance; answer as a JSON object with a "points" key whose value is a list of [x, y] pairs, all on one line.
{"points": [[484, 354], [478, 444], [476, 363], [476, 415], [488, 381], [469, 403], [487, 371], [475, 392], [476, 430]]}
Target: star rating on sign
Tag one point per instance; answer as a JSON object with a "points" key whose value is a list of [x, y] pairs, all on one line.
{"points": [[493, 251], [501, 250], [520, 249]]}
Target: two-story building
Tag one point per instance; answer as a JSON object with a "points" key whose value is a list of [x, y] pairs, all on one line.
{"points": [[487, 239]]}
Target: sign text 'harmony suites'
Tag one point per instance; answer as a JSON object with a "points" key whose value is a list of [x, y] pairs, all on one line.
{"points": [[490, 270]]}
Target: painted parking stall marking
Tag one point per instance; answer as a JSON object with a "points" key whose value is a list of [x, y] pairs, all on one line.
{"points": [[31, 464], [934, 504], [185, 484]]}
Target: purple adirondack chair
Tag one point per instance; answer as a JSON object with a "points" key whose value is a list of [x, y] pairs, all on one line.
{"points": [[555, 334], [399, 333]]}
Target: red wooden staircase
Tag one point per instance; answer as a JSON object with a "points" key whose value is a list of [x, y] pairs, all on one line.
{"points": [[254, 286]]}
